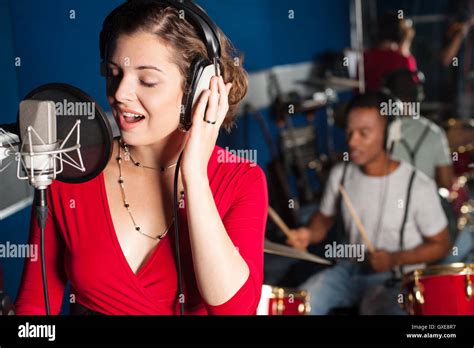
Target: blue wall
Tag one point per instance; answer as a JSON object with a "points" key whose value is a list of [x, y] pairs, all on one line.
{"points": [[55, 48]]}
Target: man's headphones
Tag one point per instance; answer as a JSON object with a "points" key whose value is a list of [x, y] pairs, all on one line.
{"points": [[393, 127], [401, 85], [202, 69]]}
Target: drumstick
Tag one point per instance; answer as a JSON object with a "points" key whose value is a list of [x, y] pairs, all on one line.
{"points": [[357, 221], [279, 222]]}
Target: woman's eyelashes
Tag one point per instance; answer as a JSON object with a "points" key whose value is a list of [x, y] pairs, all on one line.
{"points": [[148, 84], [117, 79], [117, 75]]}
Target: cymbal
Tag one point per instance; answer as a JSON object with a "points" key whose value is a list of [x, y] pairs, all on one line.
{"points": [[283, 250]]}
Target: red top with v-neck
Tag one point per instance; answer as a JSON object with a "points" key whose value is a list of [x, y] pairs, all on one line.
{"points": [[82, 247]]}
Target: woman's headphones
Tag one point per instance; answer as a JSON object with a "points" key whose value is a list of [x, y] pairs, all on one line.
{"points": [[202, 69]]}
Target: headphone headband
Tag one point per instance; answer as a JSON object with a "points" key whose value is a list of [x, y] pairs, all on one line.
{"points": [[194, 14], [201, 21]]}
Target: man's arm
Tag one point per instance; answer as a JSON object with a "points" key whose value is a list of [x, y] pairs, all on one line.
{"points": [[444, 176], [457, 33], [315, 232], [432, 249], [319, 225]]}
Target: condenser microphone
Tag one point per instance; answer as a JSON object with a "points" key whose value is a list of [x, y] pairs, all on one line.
{"points": [[37, 126]]}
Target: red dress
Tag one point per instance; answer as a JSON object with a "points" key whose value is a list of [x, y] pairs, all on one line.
{"points": [[379, 62], [82, 247]]}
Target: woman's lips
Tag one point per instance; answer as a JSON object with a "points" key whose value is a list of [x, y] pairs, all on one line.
{"points": [[127, 123]]}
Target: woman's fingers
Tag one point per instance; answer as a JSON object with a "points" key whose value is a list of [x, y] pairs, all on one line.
{"points": [[213, 103], [201, 107], [212, 107], [223, 99]]}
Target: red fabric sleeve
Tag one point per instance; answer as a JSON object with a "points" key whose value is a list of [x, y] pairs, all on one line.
{"points": [[30, 300], [245, 223], [411, 63]]}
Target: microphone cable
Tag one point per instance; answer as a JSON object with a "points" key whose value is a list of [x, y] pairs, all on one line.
{"points": [[176, 236]]}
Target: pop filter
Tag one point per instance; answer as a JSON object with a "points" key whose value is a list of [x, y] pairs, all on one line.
{"points": [[95, 136]]}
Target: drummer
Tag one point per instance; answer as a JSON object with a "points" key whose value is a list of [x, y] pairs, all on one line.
{"points": [[378, 187]]}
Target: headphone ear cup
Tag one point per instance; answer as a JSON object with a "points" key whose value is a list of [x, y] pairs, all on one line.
{"points": [[201, 72], [204, 81], [393, 133]]}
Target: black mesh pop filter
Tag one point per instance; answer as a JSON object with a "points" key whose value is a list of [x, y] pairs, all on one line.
{"points": [[96, 138]]}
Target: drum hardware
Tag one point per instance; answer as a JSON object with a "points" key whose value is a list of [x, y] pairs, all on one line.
{"points": [[415, 296], [468, 284], [299, 148], [283, 301], [298, 144], [418, 289], [280, 304]]}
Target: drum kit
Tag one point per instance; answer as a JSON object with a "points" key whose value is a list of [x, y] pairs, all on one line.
{"points": [[440, 290]]}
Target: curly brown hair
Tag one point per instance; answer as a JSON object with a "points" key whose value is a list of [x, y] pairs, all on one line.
{"points": [[167, 23]]}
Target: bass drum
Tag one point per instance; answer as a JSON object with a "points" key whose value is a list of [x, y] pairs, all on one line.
{"points": [[440, 290]]}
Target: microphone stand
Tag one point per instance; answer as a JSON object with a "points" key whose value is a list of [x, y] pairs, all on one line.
{"points": [[41, 210]]}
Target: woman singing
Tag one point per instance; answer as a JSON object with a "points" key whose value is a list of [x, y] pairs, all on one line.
{"points": [[113, 237]]}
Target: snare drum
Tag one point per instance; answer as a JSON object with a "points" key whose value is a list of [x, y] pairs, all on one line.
{"points": [[440, 290], [283, 301]]}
